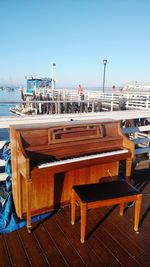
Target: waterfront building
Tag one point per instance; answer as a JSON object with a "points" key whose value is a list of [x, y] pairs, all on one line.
{"points": [[137, 86], [36, 85]]}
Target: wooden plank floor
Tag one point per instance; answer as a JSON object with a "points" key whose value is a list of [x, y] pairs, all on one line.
{"points": [[110, 238]]}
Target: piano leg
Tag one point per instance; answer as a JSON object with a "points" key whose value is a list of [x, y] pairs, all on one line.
{"points": [[28, 192], [128, 169], [73, 207]]}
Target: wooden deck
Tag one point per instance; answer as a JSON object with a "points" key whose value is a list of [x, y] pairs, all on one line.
{"points": [[110, 239]]}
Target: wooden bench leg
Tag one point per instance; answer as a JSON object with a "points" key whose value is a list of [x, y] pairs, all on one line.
{"points": [[121, 208], [83, 221], [73, 208], [137, 212]]}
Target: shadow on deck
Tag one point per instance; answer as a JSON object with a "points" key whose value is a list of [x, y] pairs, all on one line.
{"points": [[110, 239]]}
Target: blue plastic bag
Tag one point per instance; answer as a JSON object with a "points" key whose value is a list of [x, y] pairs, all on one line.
{"points": [[6, 155]]}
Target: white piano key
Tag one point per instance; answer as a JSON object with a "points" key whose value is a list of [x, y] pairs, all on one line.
{"points": [[77, 159]]}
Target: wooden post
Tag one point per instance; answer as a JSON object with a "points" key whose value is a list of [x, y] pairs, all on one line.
{"points": [[111, 107], [93, 106]]}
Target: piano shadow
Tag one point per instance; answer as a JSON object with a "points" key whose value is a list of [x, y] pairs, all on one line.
{"points": [[101, 221], [58, 188], [41, 221]]}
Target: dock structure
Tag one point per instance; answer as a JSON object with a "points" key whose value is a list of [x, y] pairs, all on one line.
{"points": [[71, 101]]}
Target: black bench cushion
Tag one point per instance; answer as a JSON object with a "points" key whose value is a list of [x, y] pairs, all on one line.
{"points": [[103, 191]]}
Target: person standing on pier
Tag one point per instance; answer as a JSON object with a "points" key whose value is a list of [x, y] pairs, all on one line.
{"points": [[80, 89]]}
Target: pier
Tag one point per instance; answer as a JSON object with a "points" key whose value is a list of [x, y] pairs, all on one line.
{"points": [[70, 101]]}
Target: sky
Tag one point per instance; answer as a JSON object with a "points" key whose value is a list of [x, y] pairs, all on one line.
{"points": [[76, 35]]}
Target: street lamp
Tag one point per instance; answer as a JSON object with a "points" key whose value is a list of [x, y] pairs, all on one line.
{"points": [[52, 77], [104, 62]]}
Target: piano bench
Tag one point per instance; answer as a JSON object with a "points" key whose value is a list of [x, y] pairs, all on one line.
{"points": [[90, 196]]}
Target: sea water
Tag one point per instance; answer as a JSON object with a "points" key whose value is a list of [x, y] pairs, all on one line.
{"points": [[8, 96]]}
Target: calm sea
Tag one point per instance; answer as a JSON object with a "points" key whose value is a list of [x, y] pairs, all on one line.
{"points": [[4, 108], [8, 96]]}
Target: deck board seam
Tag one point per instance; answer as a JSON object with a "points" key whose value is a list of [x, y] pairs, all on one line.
{"points": [[21, 240], [65, 260], [99, 241], [75, 248], [122, 233]]}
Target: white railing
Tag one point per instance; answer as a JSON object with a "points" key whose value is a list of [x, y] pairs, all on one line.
{"points": [[73, 103], [140, 135]]}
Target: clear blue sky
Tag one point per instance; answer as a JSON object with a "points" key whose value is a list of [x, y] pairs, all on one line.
{"points": [[76, 35]]}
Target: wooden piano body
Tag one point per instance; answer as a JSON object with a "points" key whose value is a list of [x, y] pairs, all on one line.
{"points": [[38, 188]]}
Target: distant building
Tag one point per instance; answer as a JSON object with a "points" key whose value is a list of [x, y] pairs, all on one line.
{"points": [[137, 86]]}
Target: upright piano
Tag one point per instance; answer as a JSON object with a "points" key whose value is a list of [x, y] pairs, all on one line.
{"points": [[49, 158]]}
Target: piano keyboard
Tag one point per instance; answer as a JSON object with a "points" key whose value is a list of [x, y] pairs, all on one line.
{"points": [[87, 157]]}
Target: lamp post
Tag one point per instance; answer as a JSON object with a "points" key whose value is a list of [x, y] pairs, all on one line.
{"points": [[104, 62], [52, 77]]}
